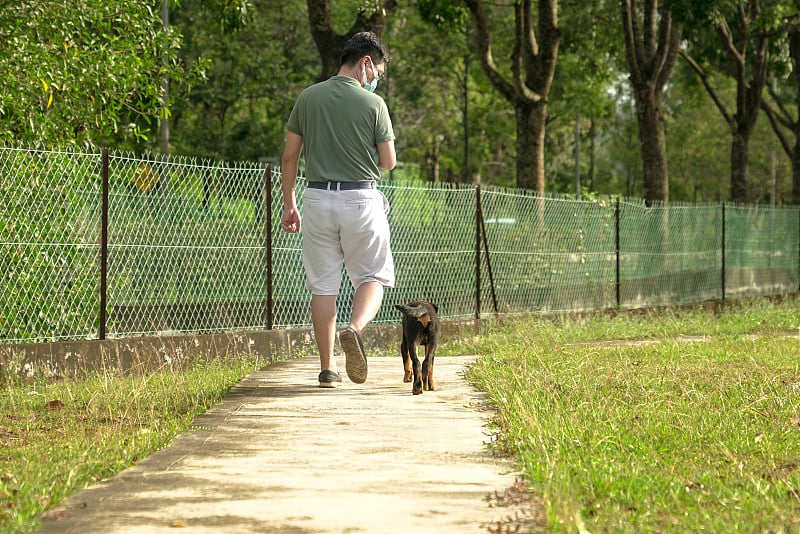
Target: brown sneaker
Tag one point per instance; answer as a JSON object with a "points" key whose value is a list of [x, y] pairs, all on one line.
{"points": [[355, 357]]}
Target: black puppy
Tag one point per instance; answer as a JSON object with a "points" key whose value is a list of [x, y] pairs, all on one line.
{"points": [[420, 327]]}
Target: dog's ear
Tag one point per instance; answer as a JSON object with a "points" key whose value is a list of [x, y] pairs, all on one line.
{"points": [[412, 309]]}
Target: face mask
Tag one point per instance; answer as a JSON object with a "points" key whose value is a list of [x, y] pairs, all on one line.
{"points": [[370, 86]]}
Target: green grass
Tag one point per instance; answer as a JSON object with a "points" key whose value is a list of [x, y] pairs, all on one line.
{"points": [[658, 433], [641, 422], [57, 437]]}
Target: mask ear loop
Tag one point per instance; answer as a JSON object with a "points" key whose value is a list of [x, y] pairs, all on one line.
{"points": [[364, 72], [375, 76]]}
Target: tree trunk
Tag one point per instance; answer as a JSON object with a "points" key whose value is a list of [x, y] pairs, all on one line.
{"points": [[796, 171], [592, 141], [794, 52], [652, 42], [740, 151], [745, 54], [329, 43], [653, 148], [535, 51], [435, 158], [530, 120]]}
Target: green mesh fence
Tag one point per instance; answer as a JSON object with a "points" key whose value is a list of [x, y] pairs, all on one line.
{"points": [[196, 246], [186, 246], [549, 254], [49, 228], [669, 255], [433, 244], [761, 250]]}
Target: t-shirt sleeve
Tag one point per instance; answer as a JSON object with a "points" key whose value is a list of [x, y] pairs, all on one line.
{"points": [[293, 124], [384, 131]]}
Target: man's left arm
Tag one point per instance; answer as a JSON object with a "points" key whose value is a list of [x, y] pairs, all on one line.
{"points": [[290, 165], [387, 158]]}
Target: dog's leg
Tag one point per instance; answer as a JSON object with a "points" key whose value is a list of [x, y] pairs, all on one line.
{"points": [[416, 389], [406, 359], [427, 367]]}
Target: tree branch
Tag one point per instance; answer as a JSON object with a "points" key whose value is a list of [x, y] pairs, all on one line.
{"points": [[755, 88], [484, 46], [649, 27], [531, 45], [784, 116], [669, 43], [726, 39], [776, 123], [709, 89], [631, 34], [549, 38]]}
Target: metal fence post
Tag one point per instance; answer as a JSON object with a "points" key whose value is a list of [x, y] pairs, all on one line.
{"points": [[723, 251], [488, 260], [617, 247], [270, 318], [104, 248], [478, 218]]}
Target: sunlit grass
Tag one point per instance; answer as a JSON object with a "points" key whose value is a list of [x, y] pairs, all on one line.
{"points": [[640, 422], [59, 436], [665, 435]]}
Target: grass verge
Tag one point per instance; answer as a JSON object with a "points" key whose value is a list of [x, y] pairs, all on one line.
{"points": [[57, 437], [658, 433]]}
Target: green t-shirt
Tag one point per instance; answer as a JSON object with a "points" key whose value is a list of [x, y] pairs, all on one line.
{"points": [[341, 125]]}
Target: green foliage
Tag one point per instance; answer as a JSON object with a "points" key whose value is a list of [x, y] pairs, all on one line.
{"points": [[344, 12], [435, 86], [231, 14], [254, 74], [443, 13], [105, 86], [88, 72]]}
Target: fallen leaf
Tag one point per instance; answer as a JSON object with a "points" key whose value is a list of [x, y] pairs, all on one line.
{"points": [[55, 404]]}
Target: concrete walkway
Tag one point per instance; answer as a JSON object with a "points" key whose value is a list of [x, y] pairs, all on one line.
{"points": [[282, 455]]}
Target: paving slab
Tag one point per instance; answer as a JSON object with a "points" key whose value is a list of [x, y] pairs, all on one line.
{"points": [[280, 454]]}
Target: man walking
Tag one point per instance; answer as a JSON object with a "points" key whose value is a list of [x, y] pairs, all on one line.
{"points": [[347, 136]]}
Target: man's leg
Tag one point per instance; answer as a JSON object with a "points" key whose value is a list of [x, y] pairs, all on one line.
{"points": [[323, 316], [366, 305]]}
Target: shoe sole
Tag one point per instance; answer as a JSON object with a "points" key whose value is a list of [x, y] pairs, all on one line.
{"points": [[327, 385], [355, 359]]}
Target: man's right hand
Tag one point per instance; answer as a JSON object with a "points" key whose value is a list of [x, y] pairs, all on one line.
{"points": [[290, 221]]}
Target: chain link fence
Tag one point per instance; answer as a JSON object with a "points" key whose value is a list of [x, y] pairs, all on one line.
{"points": [[96, 245]]}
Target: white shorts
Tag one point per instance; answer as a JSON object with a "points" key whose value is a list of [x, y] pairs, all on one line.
{"points": [[350, 228]]}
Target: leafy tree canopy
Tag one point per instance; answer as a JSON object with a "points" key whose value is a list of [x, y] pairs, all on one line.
{"points": [[86, 75]]}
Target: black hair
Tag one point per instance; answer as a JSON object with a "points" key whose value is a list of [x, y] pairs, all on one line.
{"points": [[364, 44]]}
